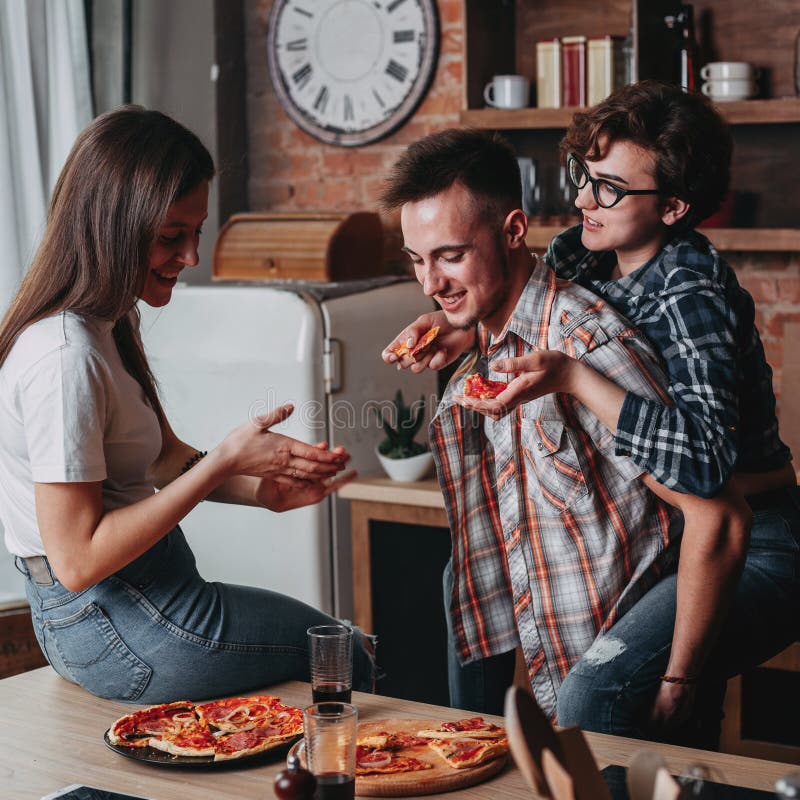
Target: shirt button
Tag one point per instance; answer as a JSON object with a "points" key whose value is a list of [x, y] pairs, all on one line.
{"points": [[540, 446]]}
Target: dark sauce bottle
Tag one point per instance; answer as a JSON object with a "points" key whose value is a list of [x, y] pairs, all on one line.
{"points": [[294, 782], [682, 24]]}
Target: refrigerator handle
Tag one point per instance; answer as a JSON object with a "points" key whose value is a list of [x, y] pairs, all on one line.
{"points": [[332, 360]]}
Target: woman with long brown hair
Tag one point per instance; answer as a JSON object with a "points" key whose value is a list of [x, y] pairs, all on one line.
{"points": [[117, 604]]}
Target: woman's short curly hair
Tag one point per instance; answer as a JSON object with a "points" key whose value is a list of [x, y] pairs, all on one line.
{"points": [[688, 138]]}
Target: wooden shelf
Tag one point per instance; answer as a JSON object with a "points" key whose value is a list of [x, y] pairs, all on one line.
{"points": [[743, 112], [747, 239]]}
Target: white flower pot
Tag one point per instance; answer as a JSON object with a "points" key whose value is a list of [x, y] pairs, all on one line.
{"points": [[408, 470]]}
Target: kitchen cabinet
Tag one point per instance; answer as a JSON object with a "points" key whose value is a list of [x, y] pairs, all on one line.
{"points": [[501, 35]]}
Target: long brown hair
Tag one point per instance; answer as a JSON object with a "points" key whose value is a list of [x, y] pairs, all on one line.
{"points": [[110, 200]]}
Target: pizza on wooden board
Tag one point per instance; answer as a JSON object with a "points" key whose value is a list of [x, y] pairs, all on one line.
{"points": [[462, 744], [463, 753], [472, 728], [224, 729], [380, 753]]}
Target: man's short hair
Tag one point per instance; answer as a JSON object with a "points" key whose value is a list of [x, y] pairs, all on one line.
{"points": [[688, 138], [483, 163]]}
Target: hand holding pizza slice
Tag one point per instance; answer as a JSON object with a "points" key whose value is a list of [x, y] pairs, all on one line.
{"points": [[481, 388], [414, 351]]}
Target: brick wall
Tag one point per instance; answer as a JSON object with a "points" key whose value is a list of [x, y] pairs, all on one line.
{"points": [[291, 171]]}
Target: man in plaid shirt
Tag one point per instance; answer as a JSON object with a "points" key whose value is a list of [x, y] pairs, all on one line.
{"points": [[554, 538]]}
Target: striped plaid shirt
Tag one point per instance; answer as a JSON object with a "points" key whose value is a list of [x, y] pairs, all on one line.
{"points": [[689, 305], [553, 537]]}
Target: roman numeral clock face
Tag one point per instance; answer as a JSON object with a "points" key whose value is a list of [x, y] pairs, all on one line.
{"points": [[351, 71]]}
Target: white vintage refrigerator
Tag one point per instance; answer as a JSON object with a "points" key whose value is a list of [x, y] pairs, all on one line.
{"points": [[222, 352]]}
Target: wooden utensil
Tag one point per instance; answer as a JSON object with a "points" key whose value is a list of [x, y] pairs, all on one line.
{"points": [[649, 779], [558, 779], [529, 733], [578, 760]]}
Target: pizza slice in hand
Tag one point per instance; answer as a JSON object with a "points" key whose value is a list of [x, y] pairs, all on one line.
{"points": [[416, 350], [481, 388]]}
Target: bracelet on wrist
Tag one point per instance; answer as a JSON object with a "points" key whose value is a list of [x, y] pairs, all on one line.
{"points": [[681, 680], [193, 460]]}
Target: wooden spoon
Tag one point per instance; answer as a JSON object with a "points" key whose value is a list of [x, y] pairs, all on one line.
{"points": [[559, 780], [529, 733], [649, 779]]}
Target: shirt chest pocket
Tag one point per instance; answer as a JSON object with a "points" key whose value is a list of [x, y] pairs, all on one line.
{"points": [[555, 472]]}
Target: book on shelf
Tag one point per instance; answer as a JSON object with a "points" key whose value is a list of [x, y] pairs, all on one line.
{"points": [[573, 71], [548, 73]]}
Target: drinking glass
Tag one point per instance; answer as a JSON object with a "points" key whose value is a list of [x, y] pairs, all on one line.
{"points": [[330, 734], [330, 650]]}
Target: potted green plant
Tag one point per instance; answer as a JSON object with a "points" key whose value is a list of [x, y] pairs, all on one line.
{"points": [[402, 458]]}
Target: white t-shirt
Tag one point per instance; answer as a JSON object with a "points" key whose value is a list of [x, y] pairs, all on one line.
{"points": [[70, 412]]}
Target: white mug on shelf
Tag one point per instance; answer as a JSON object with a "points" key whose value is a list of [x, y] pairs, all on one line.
{"points": [[728, 90], [729, 70], [507, 91]]}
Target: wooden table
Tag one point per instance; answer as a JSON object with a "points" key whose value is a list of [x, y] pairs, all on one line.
{"points": [[52, 736], [379, 498]]}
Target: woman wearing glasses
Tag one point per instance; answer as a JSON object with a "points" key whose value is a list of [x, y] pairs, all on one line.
{"points": [[650, 162]]}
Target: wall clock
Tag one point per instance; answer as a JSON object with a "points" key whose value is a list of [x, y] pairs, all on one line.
{"points": [[352, 71]]}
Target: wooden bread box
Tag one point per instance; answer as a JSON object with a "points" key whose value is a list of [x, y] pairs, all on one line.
{"points": [[313, 247]]}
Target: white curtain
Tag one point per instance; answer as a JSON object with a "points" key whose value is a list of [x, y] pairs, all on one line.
{"points": [[45, 100]]}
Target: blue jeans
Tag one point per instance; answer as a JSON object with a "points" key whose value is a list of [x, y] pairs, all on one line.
{"points": [[611, 689], [480, 685], [156, 632]]}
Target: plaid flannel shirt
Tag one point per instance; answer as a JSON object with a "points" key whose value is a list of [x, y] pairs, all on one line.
{"points": [[689, 305], [553, 537]]}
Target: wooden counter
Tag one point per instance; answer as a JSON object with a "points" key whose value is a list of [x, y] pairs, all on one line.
{"points": [[379, 498], [52, 736]]}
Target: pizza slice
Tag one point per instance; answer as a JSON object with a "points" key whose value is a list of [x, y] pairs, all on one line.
{"points": [[463, 753], [390, 741], [249, 742], [194, 739], [382, 762], [142, 727], [469, 728], [238, 713], [481, 388], [414, 351]]}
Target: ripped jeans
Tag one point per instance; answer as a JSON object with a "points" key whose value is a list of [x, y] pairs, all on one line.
{"points": [[156, 632], [612, 688]]}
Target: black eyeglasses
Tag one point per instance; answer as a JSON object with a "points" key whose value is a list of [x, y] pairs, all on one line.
{"points": [[606, 194]]}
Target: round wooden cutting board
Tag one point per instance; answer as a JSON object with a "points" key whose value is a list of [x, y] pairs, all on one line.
{"points": [[441, 778]]}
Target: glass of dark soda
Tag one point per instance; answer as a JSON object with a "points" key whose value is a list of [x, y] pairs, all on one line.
{"points": [[330, 732], [330, 650]]}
